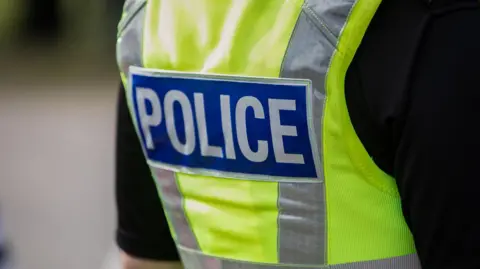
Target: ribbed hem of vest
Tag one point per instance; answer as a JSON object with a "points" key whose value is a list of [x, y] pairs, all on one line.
{"points": [[146, 250]]}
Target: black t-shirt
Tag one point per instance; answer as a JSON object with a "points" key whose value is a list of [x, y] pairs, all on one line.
{"points": [[413, 94]]}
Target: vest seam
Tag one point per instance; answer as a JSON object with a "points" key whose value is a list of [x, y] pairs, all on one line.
{"points": [[324, 132], [320, 25]]}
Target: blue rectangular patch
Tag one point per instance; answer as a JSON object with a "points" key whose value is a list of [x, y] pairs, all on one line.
{"points": [[219, 125]]}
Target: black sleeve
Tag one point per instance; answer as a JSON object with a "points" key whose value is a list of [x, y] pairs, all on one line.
{"points": [[142, 227], [413, 92], [438, 157]]}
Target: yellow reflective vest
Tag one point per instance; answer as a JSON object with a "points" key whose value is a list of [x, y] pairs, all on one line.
{"points": [[240, 108]]}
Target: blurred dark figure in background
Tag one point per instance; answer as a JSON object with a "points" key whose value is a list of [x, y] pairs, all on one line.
{"points": [[115, 8], [3, 252], [43, 19]]}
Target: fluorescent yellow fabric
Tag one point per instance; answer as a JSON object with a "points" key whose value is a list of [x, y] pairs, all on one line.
{"points": [[365, 220], [230, 218], [237, 219], [234, 219]]}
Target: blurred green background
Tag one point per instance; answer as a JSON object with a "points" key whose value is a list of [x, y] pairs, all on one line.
{"points": [[83, 30], [89, 23]]}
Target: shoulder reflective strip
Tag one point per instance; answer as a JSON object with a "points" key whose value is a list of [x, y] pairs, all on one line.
{"points": [[329, 17], [196, 260], [129, 42], [130, 9], [302, 219], [173, 205]]}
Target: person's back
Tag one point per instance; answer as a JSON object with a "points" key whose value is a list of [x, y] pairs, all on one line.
{"points": [[262, 141]]}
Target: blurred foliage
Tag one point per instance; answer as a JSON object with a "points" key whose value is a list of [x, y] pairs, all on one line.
{"points": [[85, 23], [11, 12]]}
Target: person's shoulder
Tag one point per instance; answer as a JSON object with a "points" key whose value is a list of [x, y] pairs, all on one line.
{"points": [[413, 100], [377, 80]]}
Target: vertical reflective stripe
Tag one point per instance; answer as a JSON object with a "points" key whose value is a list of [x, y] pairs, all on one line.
{"points": [[197, 260], [129, 42], [173, 205], [303, 217], [308, 56], [301, 223]]}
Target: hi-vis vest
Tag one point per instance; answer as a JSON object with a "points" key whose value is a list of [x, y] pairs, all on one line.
{"points": [[240, 108]]}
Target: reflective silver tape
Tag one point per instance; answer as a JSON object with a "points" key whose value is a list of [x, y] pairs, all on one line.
{"points": [[130, 9], [329, 15], [129, 41], [195, 260], [173, 203], [302, 224]]}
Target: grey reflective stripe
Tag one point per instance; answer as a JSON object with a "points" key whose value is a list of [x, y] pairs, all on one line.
{"points": [[130, 8], [129, 5], [130, 40], [174, 207], [302, 225], [197, 260], [330, 15]]}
